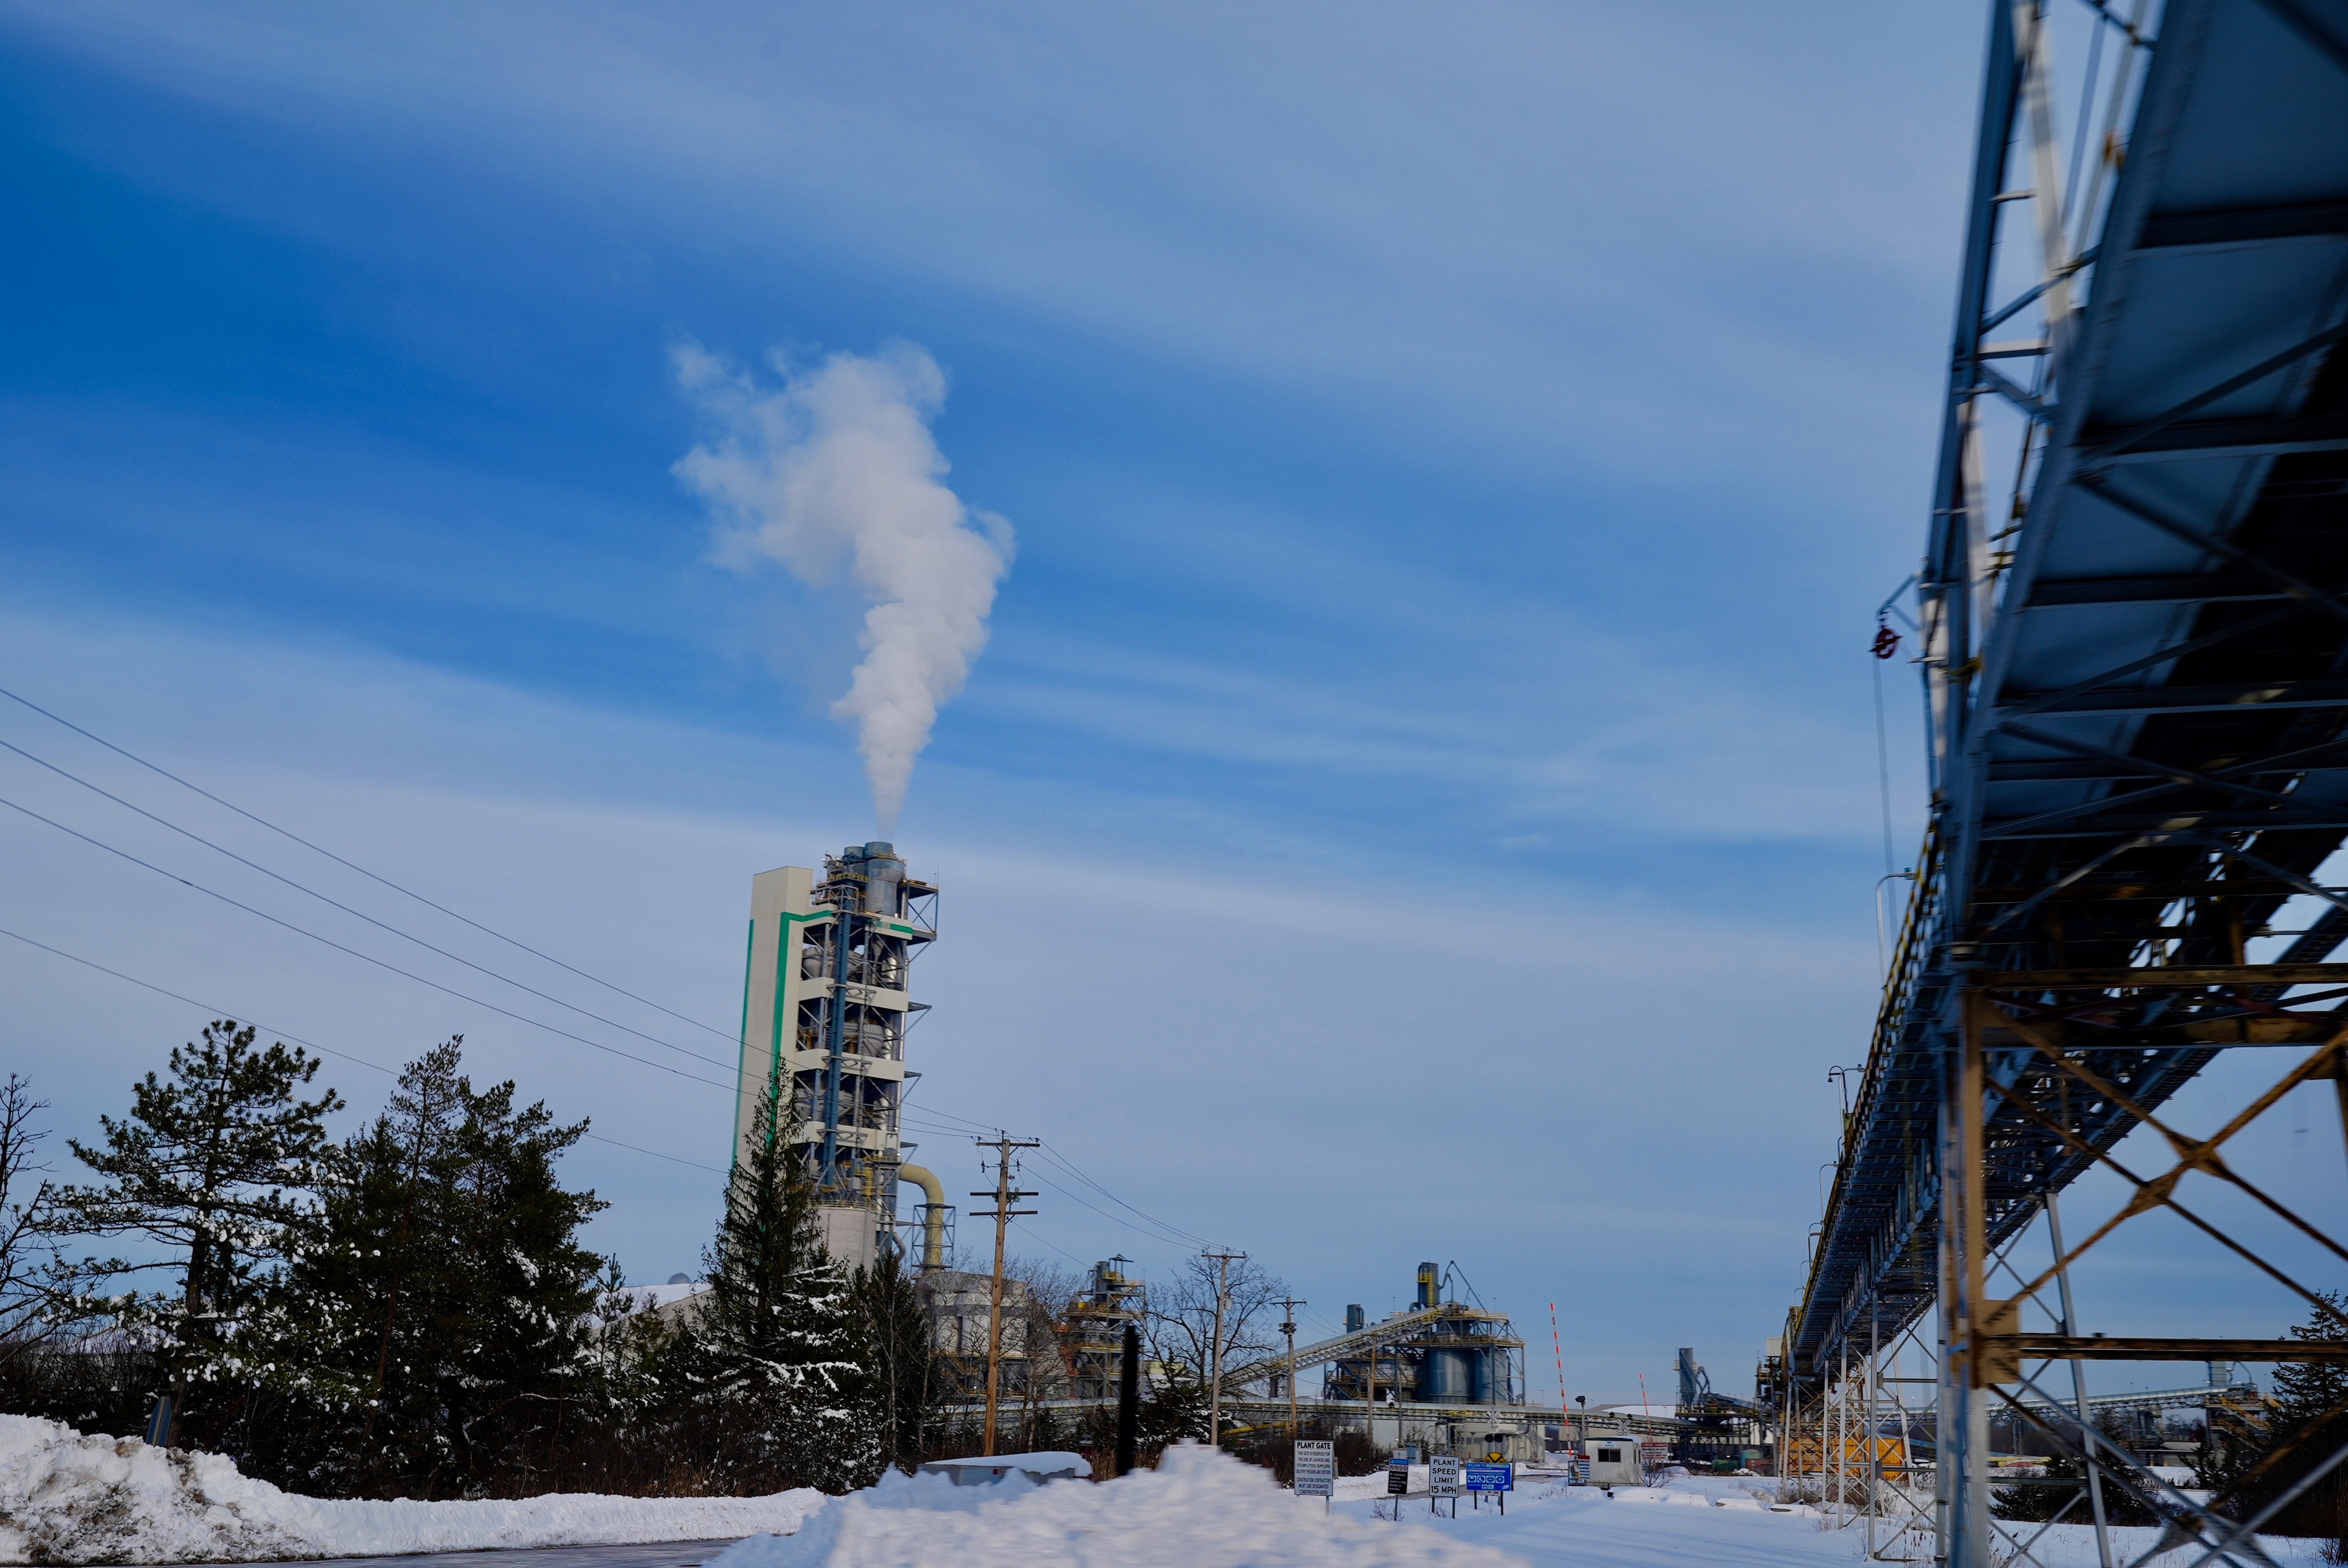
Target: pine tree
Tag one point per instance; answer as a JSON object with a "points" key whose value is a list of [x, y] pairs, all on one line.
{"points": [[1174, 1411], [215, 1164], [527, 1287], [770, 1368], [405, 1162], [449, 1293], [621, 1361], [897, 1336], [2311, 1419]]}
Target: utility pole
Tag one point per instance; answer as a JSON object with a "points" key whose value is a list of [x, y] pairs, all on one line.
{"points": [[1289, 1305], [1128, 1401], [1222, 1295], [1002, 1143]]}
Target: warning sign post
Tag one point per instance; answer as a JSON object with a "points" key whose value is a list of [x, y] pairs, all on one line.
{"points": [[1316, 1470], [1442, 1480], [1498, 1478]]}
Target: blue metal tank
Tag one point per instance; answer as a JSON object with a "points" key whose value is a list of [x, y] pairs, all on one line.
{"points": [[1449, 1376]]}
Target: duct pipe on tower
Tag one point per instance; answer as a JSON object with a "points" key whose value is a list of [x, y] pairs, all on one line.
{"points": [[934, 1223], [883, 871]]}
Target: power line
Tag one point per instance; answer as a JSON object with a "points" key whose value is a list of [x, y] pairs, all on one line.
{"points": [[1167, 1236], [965, 1121], [1118, 1219], [1063, 1252], [298, 1040], [345, 908], [379, 963], [1055, 1157], [354, 865], [1164, 1237], [1161, 1230]]}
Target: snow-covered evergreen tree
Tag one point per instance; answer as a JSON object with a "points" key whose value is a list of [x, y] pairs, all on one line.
{"points": [[450, 1291], [770, 1370], [898, 1337], [2308, 1425]]}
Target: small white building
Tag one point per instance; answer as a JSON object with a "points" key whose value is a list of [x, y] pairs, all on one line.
{"points": [[1613, 1461]]}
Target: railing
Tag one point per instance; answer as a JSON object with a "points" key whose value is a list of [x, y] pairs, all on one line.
{"points": [[1902, 978]]}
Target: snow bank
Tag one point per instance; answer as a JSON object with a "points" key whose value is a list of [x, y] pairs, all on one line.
{"points": [[66, 1498], [1199, 1510]]}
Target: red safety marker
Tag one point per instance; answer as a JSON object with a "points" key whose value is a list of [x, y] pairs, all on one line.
{"points": [[1562, 1403]]}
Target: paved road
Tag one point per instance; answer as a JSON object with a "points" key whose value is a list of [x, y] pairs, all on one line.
{"points": [[658, 1554]]}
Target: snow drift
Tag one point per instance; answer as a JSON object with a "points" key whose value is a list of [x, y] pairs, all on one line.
{"points": [[1199, 1510], [67, 1498]]}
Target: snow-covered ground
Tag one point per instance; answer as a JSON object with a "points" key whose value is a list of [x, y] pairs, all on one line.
{"points": [[1713, 1521], [1197, 1510], [1202, 1510], [66, 1498]]}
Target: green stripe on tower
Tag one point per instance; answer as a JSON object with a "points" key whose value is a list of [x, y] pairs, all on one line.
{"points": [[742, 1042]]}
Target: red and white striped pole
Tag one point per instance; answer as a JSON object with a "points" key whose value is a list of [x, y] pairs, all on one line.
{"points": [[1562, 1403]]}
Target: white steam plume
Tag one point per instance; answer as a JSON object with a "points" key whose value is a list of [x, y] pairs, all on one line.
{"points": [[837, 466]]}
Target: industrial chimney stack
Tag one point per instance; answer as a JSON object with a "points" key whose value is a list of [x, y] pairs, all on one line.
{"points": [[825, 1006]]}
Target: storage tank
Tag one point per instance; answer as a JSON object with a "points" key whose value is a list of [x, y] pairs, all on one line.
{"points": [[883, 872], [1448, 1377]]}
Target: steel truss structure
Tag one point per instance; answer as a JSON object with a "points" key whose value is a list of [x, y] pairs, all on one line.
{"points": [[2134, 641]]}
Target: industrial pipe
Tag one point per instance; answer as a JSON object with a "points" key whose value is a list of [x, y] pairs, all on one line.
{"points": [[933, 1225]]}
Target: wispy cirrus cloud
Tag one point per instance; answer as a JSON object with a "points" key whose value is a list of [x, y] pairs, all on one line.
{"points": [[1525, 210]]}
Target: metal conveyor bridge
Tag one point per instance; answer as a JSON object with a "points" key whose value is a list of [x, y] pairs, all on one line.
{"points": [[2132, 624]]}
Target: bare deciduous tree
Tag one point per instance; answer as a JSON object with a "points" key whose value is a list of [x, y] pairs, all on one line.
{"points": [[1182, 1319], [35, 1295]]}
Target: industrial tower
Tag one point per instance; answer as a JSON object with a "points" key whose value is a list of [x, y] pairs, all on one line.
{"points": [[824, 1009]]}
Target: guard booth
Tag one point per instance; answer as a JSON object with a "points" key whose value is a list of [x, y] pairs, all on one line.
{"points": [[1613, 1461]]}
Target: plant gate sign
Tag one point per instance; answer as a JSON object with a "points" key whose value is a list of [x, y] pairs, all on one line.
{"points": [[1316, 1469]]}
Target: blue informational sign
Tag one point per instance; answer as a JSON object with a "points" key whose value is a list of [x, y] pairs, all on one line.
{"points": [[1491, 1478]]}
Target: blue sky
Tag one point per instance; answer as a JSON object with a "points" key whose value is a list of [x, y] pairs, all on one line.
{"points": [[1419, 799]]}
